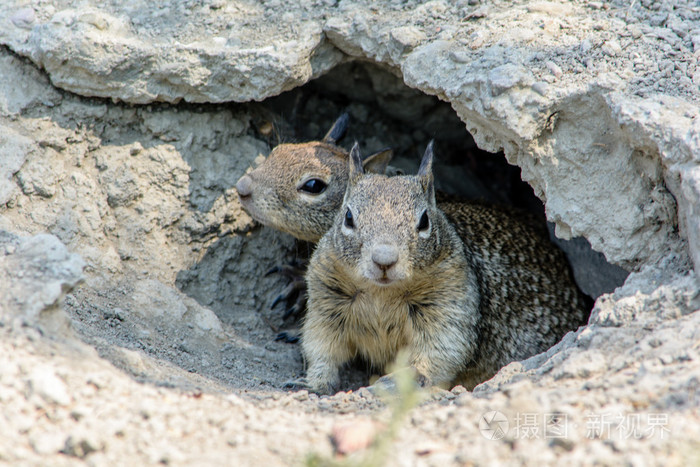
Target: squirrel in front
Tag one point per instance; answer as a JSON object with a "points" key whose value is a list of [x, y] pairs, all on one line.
{"points": [[464, 294]]}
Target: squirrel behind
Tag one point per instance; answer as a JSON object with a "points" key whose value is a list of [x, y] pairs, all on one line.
{"points": [[299, 186], [298, 189]]}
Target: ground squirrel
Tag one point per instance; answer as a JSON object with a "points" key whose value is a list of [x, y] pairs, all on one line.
{"points": [[298, 189], [465, 293]]}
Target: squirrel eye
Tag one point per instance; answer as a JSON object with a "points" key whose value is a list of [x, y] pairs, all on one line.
{"points": [[349, 222], [314, 186], [424, 222]]}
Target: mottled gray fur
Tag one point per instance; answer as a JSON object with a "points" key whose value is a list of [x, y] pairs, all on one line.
{"points": [[470, 291]]}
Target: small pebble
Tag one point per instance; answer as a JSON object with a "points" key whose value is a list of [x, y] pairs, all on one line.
{"points": [[44, 382], [554, 68], [460, 56], [540, 88], [23, 18], [48, 442], [611, 47], [83, 443], [353, 436], [136, 149]]}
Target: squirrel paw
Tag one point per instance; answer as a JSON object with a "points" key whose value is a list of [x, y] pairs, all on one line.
{"points": [[302, 383], [296, 384], [387, 384], [384, 385], [296, 288], [290, 336]]}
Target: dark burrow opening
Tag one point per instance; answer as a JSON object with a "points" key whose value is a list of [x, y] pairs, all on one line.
{"points": [[385, 113]]}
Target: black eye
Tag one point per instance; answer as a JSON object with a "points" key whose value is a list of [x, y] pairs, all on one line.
{"points": [[349, 222], [314, 186], [424, 222]]}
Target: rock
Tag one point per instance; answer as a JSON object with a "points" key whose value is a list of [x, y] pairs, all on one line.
{"points": [[581, 365], [82, 444], [130, 360], [23, 18], [25, 87], [540, 88], [254, 70], [506, 77], [407, 38], [696, 43], [44, 383], [159, 304], [554, 68], [460, 56], [611, 47], [353, 436], [37, 179], [39, 271], [691, 189], [14, 148], [48, 442], [550, 8]]}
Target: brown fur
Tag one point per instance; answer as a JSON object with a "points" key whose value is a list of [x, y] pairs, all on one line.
{"points": [[276, 200], [272, 193], [464, 301]]}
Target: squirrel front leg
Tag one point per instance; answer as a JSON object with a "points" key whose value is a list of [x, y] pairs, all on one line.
{"points": [[440, 348], [324, 354], [324, 341], [323, 345]]}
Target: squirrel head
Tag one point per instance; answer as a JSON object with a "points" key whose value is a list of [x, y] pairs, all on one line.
{"points": [[388, 227], [299, 187]]}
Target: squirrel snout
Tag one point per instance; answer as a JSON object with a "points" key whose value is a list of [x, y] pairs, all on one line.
{"points": [[244, 186], [385, 256]]}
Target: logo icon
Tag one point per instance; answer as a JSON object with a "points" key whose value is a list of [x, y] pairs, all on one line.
{"points": [[493, 425]]}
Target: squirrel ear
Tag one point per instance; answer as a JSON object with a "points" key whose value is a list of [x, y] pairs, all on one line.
{"points": [[425, 172], [338, 129], [356, 170], [376, 163]]}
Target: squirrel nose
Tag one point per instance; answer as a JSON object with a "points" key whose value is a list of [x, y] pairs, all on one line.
{"points": [[244, 186], [385, 256]]}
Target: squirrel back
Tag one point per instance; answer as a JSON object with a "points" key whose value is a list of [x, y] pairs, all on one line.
{"points": [[529, 299]]}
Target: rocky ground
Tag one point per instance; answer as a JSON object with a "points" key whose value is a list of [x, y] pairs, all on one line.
{"points": [[134, 310]]}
